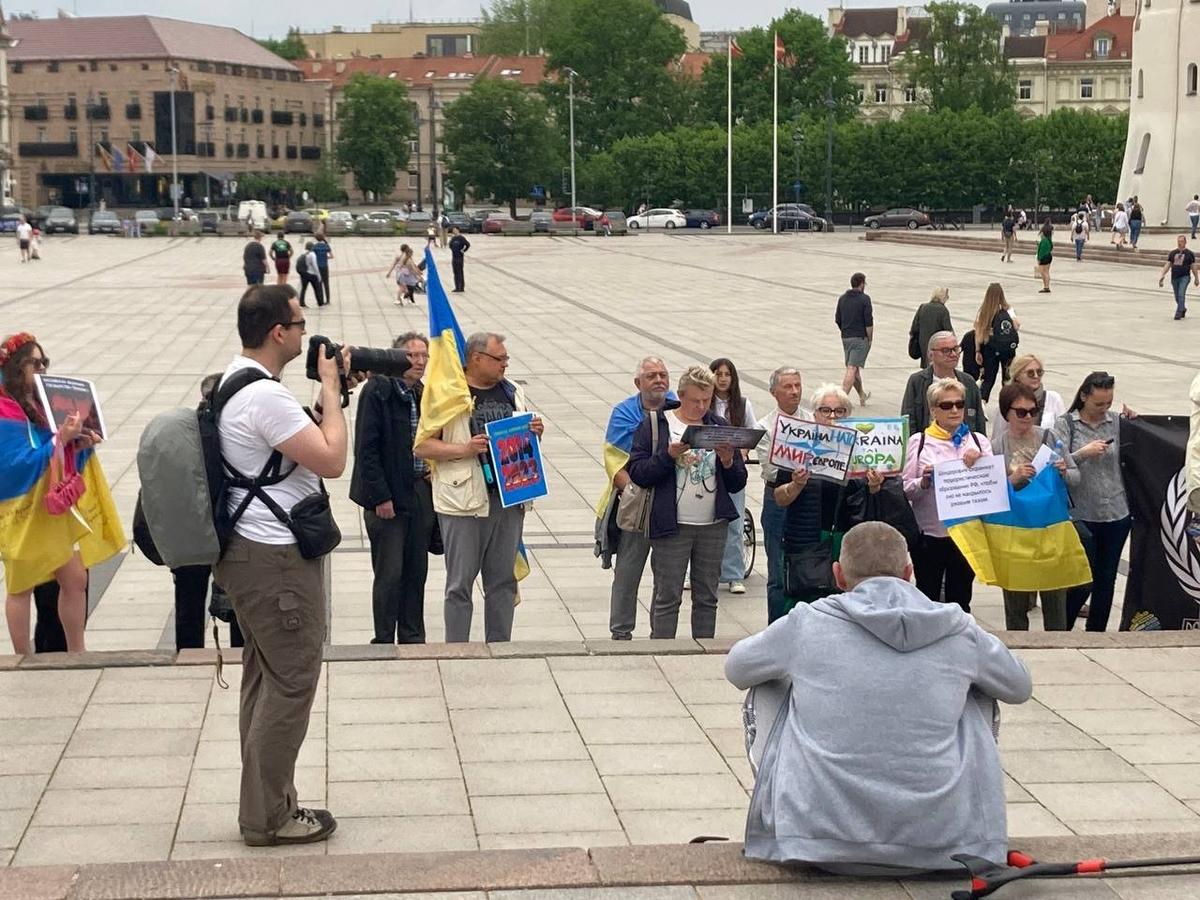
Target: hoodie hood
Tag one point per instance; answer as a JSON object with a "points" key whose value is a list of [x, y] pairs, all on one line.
{"points": [[896, 613]]}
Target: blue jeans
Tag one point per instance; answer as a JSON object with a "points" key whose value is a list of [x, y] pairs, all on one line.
{"points": [[1180, 286], [1135, 228], [1108, 540], [733, 563], [1079, 248], [1195, 225], [772, 520]]}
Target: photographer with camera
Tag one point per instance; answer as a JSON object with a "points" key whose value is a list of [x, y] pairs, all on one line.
{"points": [[271, 567], [392, 485]]}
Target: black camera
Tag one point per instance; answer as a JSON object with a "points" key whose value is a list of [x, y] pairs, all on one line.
{"points": [[392, 363]]}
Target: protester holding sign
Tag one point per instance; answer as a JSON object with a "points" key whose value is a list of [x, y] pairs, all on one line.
{"points": [[690, 507], [730, 405], [1027, 449], [787, 388], [938, 563]]}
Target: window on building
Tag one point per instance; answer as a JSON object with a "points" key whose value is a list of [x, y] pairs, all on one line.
{"points": [[864, 54], [1141, 84], [858, 95], [1086, 88], [412, 146], [448, 45], [1025, 89], [1103, 45], [41, 135], [1191, 80], [72, 136], [910, 93], [414, 180], [1143, 152], [104, 135], [881, 93], [885, 52]]}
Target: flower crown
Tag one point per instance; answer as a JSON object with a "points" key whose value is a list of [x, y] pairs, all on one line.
{"points": [[13, 344]]}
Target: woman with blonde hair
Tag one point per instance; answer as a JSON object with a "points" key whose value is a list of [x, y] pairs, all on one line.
{"points": [[996, 338], [1028, 369]]}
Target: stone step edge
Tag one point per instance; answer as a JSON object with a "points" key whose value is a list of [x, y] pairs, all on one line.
{"points": [[1024, 248], [111, 659], [493, 870]]}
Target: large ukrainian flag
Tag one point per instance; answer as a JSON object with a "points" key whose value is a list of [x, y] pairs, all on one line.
{"points": [[1033, 546], [446, 395], [33, 543], [618, 442]]}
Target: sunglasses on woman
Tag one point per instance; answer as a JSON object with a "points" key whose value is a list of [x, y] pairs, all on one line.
{"points": [[41, 364], [947, 405], [1023, 412]]}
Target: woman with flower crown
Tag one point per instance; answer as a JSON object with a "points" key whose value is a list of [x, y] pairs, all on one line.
{"points": [[53, 525]]}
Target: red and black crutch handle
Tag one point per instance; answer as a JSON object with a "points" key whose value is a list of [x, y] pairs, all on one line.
{"points": [[988, 877]]}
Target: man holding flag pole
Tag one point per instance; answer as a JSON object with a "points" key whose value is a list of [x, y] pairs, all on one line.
{"points": [[465, 388]]}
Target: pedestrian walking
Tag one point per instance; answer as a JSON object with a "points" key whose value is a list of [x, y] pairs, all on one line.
{"points": [[459, 246], [1008, 234], [930, 318], [1136, 215], [443, 230], [944, 355], [407, 275], [1193, 212], [1181, 263], [996, 338], [730, 405], [281, 253], [324, 253], [254, 259], [24, 238], [1120, 227], [1080, 233], [1045, 255], [306, 268], [856, 323]]}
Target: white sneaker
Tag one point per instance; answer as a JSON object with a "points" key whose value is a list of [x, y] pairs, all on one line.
{"points": [[736, 587]]}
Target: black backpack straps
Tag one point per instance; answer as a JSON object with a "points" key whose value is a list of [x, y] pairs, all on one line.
{"points": [[225, 390]]}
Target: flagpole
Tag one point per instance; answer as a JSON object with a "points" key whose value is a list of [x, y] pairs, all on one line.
{"points": [[729, 140], [775, 141]]}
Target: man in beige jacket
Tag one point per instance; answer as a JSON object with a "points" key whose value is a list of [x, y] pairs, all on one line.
{"points": [[480, 536]]}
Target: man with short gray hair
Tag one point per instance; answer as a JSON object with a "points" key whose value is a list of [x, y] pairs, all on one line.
{"points": [[632, 548], [481, 537], [944, 352], [889, 710], [786, 387]]}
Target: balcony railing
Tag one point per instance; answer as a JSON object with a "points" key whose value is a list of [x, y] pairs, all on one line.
{"points": [[38, 113], [48, 148], [310, 152]]}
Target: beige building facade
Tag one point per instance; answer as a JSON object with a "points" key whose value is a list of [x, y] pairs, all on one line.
{"points": [[6, 155], [390, 40], [91, 101]]}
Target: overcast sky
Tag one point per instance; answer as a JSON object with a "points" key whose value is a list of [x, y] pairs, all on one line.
{"points": [[274, 18]]}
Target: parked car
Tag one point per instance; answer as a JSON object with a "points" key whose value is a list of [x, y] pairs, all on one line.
{"points": [[659, 218], [459, 220], [342, 219], [543, 222], [615, 220], [398, 215], [763, 217], [298, 222], [11, 215], [104, 221], [900, 217], [702, 218], [208, 221], [477, 218], [318, 214], [379, 215], [495, 222], [583, 216], [148, 219], [38, 216], [60, 219], [418, 220], [187, 214]]}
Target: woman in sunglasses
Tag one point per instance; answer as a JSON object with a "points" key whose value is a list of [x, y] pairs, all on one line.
{"points": [[943, 573], [36, 545], [1019, 444], [1091, 432]]}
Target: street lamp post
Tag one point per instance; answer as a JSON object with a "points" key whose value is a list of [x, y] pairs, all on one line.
{"points": [[571, 73], [174, 148], [433, 173], [830, 105], [92, 151], [798, 140]]}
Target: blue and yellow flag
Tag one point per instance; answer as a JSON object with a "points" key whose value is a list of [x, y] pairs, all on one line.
{"points": [[33, 543], [618, 442], [1033, 546], [446, 395]]}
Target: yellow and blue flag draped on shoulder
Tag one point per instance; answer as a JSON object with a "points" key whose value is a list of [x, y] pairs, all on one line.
{"points": [[446, 395], [33, 543], [618, 442], [1033, 546]]}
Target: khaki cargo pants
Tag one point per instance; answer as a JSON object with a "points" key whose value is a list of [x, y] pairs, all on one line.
{"points": [[279, 599]]}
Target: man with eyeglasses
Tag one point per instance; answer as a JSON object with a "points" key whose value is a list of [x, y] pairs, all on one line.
{"points": [[481, 537], [393, 487], [278, 595], [944, 352]]}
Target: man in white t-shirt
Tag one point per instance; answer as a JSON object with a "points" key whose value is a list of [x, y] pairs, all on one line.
{"points": [[1193, 211], [277, 594], [24, 238]]}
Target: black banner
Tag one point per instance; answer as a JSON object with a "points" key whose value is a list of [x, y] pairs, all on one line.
{"points": [[1163, 588]]}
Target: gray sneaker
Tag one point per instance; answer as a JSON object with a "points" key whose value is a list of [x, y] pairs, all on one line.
{"points": [[306, 826]]}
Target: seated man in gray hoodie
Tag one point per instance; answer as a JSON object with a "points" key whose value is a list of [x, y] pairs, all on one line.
{"points": [[882, 760]]}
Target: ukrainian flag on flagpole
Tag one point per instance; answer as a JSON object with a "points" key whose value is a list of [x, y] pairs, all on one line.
{"points": [[446, 395], [1032, 547]]}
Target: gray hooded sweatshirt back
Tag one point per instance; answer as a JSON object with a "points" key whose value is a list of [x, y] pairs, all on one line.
{"points": [[885, 755]]}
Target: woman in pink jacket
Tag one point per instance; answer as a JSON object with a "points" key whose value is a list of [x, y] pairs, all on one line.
{"points": [[937, 561]]}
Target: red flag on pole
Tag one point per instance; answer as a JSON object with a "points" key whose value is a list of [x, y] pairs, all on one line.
{"points": [[133, 159], [780, 50], [735, 49]]}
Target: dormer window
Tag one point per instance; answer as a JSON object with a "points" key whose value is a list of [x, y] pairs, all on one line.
{"points": [[1103, 46]]}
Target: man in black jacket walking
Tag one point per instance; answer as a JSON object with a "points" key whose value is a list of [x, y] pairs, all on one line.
{"points": [[459, 246], [393, 487], [856, 322]]}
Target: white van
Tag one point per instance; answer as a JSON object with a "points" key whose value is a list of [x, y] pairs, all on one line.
{"points": [[253, 213]]}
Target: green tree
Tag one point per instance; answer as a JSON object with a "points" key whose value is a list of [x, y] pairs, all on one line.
{"points": [[815, 62], [500, 141], [1069, 154], [289, 47], [957, 61], [375, 125], [522, 26], [621, 51]]}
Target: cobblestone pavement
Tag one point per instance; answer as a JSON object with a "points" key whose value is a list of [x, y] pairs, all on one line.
{"points": [[147, 319]]}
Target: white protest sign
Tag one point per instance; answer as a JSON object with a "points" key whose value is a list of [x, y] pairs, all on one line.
{"points": [[977, 491], [824, 450], [880, 446], [1042, 459]]}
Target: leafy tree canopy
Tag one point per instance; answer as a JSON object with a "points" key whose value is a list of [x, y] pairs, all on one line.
{"points": [[289, 47], [376, 124], [513, 27], [957, 61]]}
